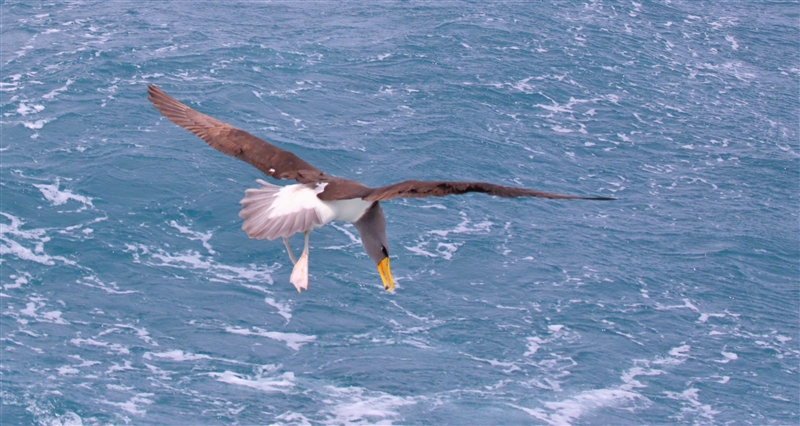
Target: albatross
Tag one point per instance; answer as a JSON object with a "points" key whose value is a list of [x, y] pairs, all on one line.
{"points": [[273, 212]]}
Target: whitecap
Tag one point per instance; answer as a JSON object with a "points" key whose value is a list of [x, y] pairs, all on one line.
{"points": [[293, 418], [533, 345], [31, 310], [508, 367], [126, 366], [19, 280], [284, 309], [67, 419], [418, 250], [261, 380], [732, 41], [447, 250], [193, 260], [567, 411], [357, 405], [110, 288], [115, 347], [133, 405], [729, 356], [64, 371], [293, 340], [36, 125], [691, 405], [176, 355], [464, 227], [194, 235], [58, 197], [680, 351], [24, 109]]}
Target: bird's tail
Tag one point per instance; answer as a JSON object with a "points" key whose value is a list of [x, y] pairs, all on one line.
{"points": [[269, 212]]}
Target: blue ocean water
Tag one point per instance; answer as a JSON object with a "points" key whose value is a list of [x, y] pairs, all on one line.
{"points": [[131, 295]]}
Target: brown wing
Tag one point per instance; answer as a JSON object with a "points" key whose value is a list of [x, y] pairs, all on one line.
{"points": [[421, 189], [229, 140]]}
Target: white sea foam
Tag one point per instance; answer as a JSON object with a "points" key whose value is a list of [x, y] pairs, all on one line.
{"points": [[356, 405], [194, 235], [159, 373], [119, 388], [31, 312], [569, 410], [58, 197], [24, 109], [292, 418], [19, 281], [114, 347], [64, 371], [263, 379], [729, 356], [566, 411], [38, 236], [110, 288], [446, 250], [284, 309], [691, 407], [687, 304], [133, 405], [52, 95], [680, 351], [556, 332], [35, 125], [190, 259], [418, 250], [464, 227], [126, 366], [74, 369], [175, 355], [293, 340], [705, 317], [141, 333], [413, 315], [67, 419], [506, 366], [533, 345]]}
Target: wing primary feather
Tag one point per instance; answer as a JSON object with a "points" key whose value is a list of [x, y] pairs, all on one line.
{"points": [[422, 189], [271, 160]]}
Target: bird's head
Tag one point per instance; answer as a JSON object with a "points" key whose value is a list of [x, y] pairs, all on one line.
{"points": [[372, 229]]}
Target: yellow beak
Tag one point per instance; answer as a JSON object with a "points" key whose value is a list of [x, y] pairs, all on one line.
{"points": [[386, 275]]}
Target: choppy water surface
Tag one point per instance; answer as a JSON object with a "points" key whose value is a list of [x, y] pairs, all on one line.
{"points": [[131, 295]]}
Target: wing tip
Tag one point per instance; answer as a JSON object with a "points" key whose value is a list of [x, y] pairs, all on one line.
{"points": [[153, 90], [598, 198]]}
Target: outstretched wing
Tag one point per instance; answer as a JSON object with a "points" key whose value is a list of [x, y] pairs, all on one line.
{"points": [[421, 189], [229, 140]]}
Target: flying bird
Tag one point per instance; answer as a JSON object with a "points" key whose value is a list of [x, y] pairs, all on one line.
{"points": [[272, 211]]}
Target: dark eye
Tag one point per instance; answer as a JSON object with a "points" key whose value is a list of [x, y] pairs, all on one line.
{"points": [[384, 251]]}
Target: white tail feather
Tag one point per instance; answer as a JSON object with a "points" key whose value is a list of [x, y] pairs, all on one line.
{"points": [[273, 211]]}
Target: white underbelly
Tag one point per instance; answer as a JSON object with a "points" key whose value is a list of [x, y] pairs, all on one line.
{"points": [[292, 199], [343, 210]]}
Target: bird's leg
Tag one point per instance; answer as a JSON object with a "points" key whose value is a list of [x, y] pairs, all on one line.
{"points": [[300, 272], [289, 251]]}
